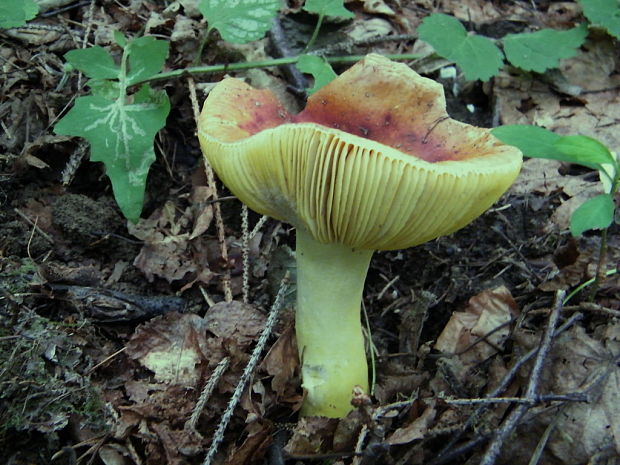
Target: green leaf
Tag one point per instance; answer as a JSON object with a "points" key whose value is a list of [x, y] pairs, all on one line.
{"points": [[478, 56], [320, 69], [328, 8], [240, 21], [533, 141], [15, 13], [95, 62], [584, 150], [121, 136], [104, 88], [596, 213], [538, 51], [119, 38], [604, 13], [147, 56]]}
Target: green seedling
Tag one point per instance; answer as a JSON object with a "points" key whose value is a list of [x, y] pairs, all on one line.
{"points": [[481, 58], [604, 14], [121, 122], [15, 13], [120, 126], [323, 8], [595, 213]]}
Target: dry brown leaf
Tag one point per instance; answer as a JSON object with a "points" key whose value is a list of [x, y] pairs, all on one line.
{"points": [[311, 435], [528, 100], [282, 362], [414, 430], [378, 7], [172, 347], [579, 362], [583, 265], [165, 253], [543, 176], [202, 210], [235, 320], [485, 313], [254, 446]]}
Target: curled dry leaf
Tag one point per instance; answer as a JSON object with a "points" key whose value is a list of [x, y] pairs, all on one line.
{"points": [[414, 430], [257, 440], [486, 316], [202, 210], [282, 363]]}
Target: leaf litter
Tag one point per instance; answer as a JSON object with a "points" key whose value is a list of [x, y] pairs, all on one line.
{"points": [[139, 383]]}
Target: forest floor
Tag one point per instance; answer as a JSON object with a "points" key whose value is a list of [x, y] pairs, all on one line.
{"points": [[110, 331]]}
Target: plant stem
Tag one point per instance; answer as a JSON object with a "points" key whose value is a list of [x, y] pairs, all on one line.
{"points": [[315, 33], [201, 46], [330, 282], [601, 265], [198, 70]]}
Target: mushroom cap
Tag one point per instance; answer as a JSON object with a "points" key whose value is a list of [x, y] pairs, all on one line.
{"points": [[372, 162]]}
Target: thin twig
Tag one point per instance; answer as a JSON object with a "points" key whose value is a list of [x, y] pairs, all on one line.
{"points": [[511, 422], [217, 211], [248, 371]]}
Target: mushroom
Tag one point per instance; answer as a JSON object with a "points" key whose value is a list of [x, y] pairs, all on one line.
{"points": [[372, 163]]}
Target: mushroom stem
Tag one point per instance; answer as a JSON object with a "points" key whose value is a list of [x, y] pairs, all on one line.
{"points": [[330, 281]]}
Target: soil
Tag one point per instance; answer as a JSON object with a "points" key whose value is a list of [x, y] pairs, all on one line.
{"points": [[88, 298]]}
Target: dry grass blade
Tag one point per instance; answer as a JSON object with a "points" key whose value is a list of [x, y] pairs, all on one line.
{"points": [[217, 210]]}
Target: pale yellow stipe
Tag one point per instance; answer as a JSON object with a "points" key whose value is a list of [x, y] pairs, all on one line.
{"points": [[330, 281]]}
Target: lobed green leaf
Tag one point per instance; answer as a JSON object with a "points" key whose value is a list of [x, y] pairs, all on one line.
{"points": [[595, 213], [121, 136], [478, 56], [147, 56], [584, 150], [95, 62], [15, 13], [240, 21], [320, 69], [541, 50], [604, 13], [533, 141], [328, 8]]}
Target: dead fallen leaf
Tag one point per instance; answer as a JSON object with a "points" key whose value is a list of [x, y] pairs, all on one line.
{"points": [[282, 362], [202, 210], [165, 253], [378, 7], [235, 320], [579, 361], [254, 446], [311, 435], [172, 347], [414, 430], [487, 315]]}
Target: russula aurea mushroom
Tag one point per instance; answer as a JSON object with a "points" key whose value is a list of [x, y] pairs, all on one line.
{"points": [[372, 163]]}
